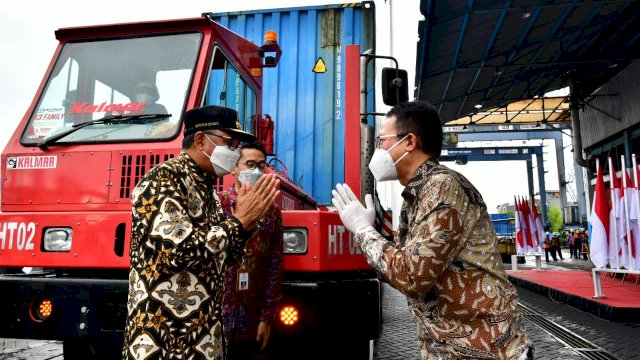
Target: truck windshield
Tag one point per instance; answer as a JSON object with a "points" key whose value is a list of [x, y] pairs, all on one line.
{"points": [[116, 77]]}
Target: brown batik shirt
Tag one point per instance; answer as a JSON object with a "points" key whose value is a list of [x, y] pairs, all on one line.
{"points": [[181, 245], [445, 259]]}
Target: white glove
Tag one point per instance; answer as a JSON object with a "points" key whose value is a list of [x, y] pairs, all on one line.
{"points": [[353, 215]]}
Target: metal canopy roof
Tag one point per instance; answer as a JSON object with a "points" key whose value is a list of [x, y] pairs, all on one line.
{"points": [[541, 111], [485, 54]]}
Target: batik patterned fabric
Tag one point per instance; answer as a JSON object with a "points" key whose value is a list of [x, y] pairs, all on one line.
{"points": [[181, 245], [445, 259], [263, 261]]}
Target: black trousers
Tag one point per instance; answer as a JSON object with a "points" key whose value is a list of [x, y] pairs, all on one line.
{"points": [[553, 254]]}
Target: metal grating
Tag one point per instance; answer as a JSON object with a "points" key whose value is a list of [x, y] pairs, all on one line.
{"points": [[580, 345], [134, 167]]}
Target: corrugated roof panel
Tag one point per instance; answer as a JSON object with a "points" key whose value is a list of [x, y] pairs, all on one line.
{"points": [[537, 43]]}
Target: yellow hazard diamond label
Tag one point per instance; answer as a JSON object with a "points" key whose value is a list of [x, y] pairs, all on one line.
{"points": [[319, 67]]}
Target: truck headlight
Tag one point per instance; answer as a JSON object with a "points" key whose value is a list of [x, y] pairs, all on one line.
{"points": [[57, 239], [295, 240]]}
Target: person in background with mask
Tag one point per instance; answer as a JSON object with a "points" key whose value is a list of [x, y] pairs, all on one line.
{"points": [[147, 92], [444, 255], [253, 286], [182, 243]]}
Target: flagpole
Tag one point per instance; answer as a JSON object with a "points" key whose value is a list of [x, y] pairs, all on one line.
{"points": [[526, 232], [626, 212], [534, 226], [612, 173], [534, 230], [637, 190], [525, 220]]}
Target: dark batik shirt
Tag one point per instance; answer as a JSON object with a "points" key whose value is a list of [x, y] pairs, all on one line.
{"points": [[243, 310], [181, 245], [445, 258]]}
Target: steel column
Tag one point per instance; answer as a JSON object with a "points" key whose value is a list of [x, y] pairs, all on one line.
{"points": [[562, 177], [543, 190], [530, 177]]}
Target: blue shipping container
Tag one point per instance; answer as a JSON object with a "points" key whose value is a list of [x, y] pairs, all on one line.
{"points": [[308, 107], [503, 225], [502, 216]]}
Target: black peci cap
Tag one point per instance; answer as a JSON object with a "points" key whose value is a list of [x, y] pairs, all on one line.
{"points": [[215, 117]]}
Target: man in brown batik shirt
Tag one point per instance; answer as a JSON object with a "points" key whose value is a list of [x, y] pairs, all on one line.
{"points": [[444, 256]]}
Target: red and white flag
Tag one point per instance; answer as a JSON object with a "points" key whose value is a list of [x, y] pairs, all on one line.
{"points": [[616, 216], [533, 229], [634, 211], [537, 219], [526, 227], [520, 244], [598, 235], [631, 212]]}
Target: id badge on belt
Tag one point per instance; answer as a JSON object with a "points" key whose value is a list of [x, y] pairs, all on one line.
{"points": [[243, 278]]}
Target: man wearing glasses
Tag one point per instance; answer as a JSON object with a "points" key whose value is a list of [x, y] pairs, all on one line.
{"points": [[182, 243], [444, 255], [253, 286]]}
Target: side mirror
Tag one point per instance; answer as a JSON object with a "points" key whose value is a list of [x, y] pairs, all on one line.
{"points": [[395, 86]]}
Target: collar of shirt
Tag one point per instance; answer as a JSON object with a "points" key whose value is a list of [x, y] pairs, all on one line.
{"points": [[419, 177], [194, 170]]}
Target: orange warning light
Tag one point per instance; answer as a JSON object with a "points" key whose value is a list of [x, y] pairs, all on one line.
{"points": [[270, 37], [289, 315]]}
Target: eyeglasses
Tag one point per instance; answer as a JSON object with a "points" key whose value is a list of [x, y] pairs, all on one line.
{"points": [[232, 142], [381, 138], [251, 164]]}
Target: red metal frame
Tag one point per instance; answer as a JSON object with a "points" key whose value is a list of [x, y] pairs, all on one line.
{"points": [[352, 162]]}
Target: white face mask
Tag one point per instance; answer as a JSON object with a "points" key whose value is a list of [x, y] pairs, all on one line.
{"points": [[250, 176], [382, 166], [222, 158]]}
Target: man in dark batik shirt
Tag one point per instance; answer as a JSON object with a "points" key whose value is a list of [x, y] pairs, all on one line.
{"points": [[253, 286], [181, 242]]}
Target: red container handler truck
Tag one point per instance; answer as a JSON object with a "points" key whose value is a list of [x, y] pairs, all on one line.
{"points": [[86, 140]]}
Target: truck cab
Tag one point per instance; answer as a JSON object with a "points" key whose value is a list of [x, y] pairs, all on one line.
{"points": [[110, 108]]}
